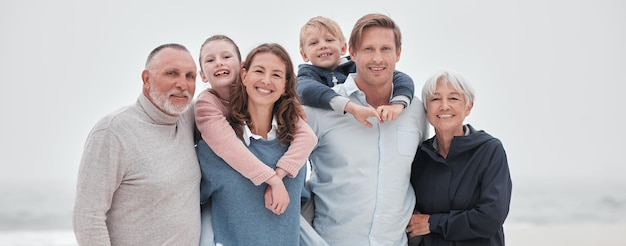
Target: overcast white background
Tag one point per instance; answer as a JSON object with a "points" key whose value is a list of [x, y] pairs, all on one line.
{"points": [[549, 77]]}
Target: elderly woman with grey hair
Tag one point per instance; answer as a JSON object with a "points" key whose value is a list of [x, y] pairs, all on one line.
{"points": [[461, 175]]}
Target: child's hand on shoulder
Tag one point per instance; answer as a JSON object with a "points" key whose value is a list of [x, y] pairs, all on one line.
{"points": [[361, 113], [390, 112]]}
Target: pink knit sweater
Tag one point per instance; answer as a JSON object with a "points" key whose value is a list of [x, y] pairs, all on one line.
{"points": [[211, 113]]}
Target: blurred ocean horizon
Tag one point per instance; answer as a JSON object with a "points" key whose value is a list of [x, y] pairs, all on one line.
{"points": [[35, 216], [536, 202]]}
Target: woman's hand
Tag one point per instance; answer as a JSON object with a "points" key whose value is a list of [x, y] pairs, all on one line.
{"points": [[418, 225]]}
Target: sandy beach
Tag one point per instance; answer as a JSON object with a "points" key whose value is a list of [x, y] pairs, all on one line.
{"points": [[37, 238], [570, 235]]}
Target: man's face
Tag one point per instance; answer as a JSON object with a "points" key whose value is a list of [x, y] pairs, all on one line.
{"points": [[170, 81], [376, 56]]}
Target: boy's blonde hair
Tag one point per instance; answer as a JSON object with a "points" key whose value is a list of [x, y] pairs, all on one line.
{"points": [[321, 23]]}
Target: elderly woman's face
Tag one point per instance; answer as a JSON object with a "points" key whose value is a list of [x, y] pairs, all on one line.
{"points": [[447, 108]]}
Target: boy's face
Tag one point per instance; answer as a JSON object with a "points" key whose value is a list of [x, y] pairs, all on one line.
{"points": [[322, 49]]}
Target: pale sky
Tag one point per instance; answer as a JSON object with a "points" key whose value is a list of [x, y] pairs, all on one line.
{"points": [[548, 74]]}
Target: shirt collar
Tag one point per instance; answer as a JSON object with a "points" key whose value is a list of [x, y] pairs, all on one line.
{"points": [[247, 134], [350, 86]]}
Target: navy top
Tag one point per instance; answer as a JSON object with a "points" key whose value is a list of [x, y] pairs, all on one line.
{"points": [[466, 194]]}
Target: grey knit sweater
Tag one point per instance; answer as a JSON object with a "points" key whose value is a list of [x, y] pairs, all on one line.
{"points": [[138, 181]]}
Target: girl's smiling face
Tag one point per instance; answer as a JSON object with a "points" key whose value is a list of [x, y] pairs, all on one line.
{"points": [[220, 64]]}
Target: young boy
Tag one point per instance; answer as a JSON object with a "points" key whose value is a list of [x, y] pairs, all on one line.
{"points": [[323, 44]]}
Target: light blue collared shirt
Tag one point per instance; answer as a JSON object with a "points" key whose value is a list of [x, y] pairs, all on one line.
{"points": [[361, 176]]}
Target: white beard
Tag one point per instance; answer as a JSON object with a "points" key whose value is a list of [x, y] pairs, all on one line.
{"points": [[161, 100]]}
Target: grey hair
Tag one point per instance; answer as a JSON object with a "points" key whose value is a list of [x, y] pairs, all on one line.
{"points": [[457, 81], [161, 47]]}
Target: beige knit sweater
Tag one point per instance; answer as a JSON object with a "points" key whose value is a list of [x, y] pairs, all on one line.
{"points": [[138, 181]]}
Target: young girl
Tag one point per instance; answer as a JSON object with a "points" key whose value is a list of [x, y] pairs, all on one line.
{"points": [[265, 116]]}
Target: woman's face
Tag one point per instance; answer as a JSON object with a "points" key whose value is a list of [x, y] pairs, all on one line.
{"points": [[265, 80], [447, 108]]}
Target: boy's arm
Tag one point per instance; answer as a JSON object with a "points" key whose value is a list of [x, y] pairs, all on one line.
{"points": [[312, 91], [220, 136], [298, 152], [403, 89], [362, 113]]}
